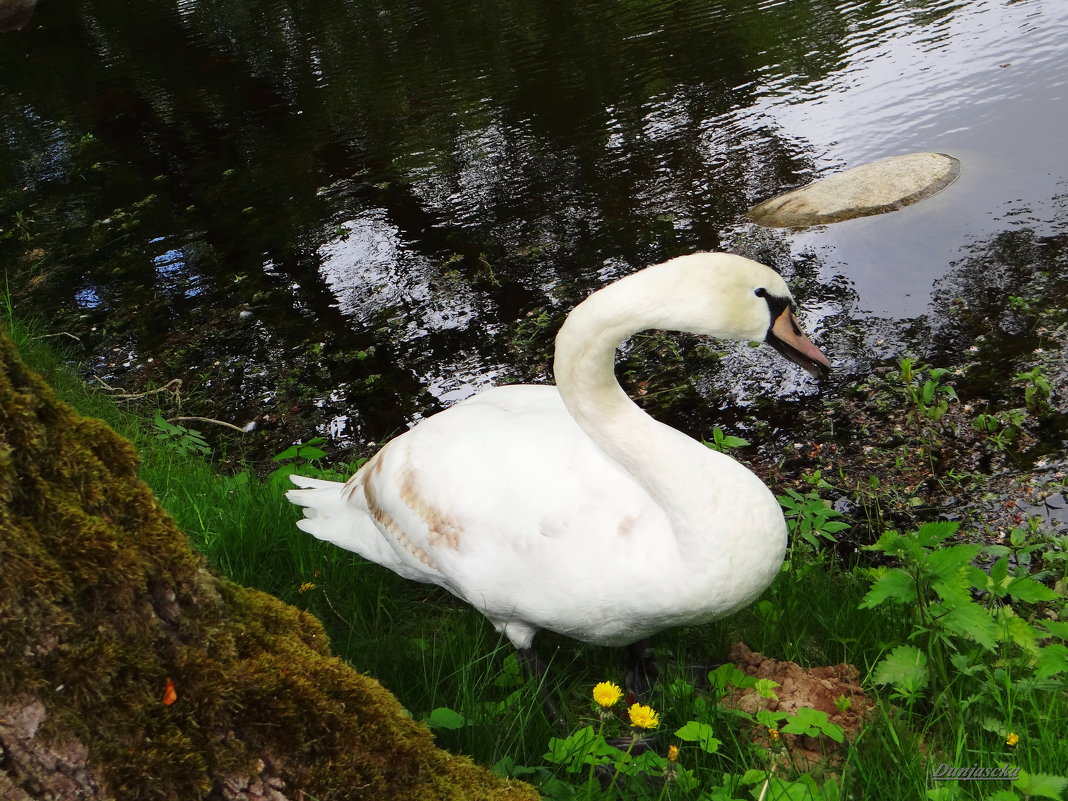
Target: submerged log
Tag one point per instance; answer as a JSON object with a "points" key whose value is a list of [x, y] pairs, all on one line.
{"points": [[128, 670]]}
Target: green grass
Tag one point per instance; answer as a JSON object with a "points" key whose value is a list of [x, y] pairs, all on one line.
{"points": [[435, 653]]}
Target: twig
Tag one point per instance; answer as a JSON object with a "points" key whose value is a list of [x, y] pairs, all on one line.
{"points": [[174, 386], [334, 609], [60, 334], [207, 420]]}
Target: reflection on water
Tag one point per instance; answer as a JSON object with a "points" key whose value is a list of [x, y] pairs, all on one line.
{"points": [[357, 213]]}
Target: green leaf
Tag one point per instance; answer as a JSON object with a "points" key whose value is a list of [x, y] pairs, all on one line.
{"points": [[999, 571], [997, 550], [584, 747], [766, 688], [834, 526], [954, 587], [894, 585], [930, 534], [892, 543], [752, 776], [769, 719], [1057, 628], [905, 668], [1041, 784], [945, 562], [445, 718], [1025, 588], [1052, 661], [729, 675], [700, 733], [507, 768], [971, 621], [929, 391], [813, 722], [288, 453], [1016, 629]]}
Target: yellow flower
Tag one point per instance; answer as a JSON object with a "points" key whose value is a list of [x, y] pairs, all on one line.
{"points": [[306, 586], [607, 694], [673, 753], [643, 717], [774, 734], [1012, 739]]}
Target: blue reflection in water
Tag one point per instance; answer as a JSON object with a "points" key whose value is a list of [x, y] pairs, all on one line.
{"points": [[171, 267], [87, 298]]}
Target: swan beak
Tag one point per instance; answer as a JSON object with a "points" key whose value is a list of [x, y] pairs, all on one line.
{"points": [[787, 337]]}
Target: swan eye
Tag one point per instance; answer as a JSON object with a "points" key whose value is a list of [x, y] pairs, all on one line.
{"points": [[760, 293]]}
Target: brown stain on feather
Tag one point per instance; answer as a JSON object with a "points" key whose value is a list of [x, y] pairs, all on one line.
{"points": [[364, 479], [444, 528]]}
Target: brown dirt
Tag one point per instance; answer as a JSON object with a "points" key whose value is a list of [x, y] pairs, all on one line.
{"points": [[833, 689]]}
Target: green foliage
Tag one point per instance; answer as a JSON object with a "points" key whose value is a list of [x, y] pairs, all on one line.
{"points": [[1036, 388], [924, 388], [982, 627], [184, 441], [812, 723], [1000, 428], [724, 442], [306, 458], [809, 516]]}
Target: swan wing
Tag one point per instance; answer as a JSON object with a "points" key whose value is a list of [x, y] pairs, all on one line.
{"points": [[503, 500]]}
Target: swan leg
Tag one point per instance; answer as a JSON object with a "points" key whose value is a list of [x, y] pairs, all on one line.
{"points": [[642, 669], [535, 669]]}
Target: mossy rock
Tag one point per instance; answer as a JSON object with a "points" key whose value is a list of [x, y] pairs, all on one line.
{"points": [[128, 670]]}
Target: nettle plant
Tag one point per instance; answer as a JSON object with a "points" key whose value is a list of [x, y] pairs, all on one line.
{"points": [[925, 389], [974, 630]]}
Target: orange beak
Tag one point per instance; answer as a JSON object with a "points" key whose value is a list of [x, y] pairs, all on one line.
{"points": [[787, 337]]}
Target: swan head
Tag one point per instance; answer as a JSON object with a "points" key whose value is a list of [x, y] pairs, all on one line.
{"points": [[733, 297], [714, 294]]}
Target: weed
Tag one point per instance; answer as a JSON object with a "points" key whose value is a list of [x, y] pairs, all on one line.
{"points": [[809, 515], [970, 625], [724, 442], [928, 397], [1000, 429], [184, 441], [1036, 388]]}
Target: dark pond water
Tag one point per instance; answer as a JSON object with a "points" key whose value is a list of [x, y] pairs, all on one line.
{"points": [[346, 214]]}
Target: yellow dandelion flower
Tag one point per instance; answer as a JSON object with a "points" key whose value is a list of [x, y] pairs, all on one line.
{"points": [[774, 733], [607, 694], [673, 753], [1012, 739], [643, 717], [306, 586]]}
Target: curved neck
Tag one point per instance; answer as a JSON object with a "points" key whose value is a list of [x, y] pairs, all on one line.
{"points": [[666, 462]]}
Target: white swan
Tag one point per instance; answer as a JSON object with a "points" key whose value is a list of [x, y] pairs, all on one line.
{"points": [[568, 508]]}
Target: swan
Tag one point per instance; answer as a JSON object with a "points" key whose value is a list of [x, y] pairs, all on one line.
{"points": [[567, 507]]}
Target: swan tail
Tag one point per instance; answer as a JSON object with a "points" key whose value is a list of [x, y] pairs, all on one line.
{"points": [[334, 512], [327, 512]]}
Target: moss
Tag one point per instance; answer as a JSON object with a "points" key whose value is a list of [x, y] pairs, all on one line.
{"points": [[103, 604]]}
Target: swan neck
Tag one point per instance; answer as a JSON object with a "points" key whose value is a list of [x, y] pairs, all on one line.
{"points": [[663, 460]]}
